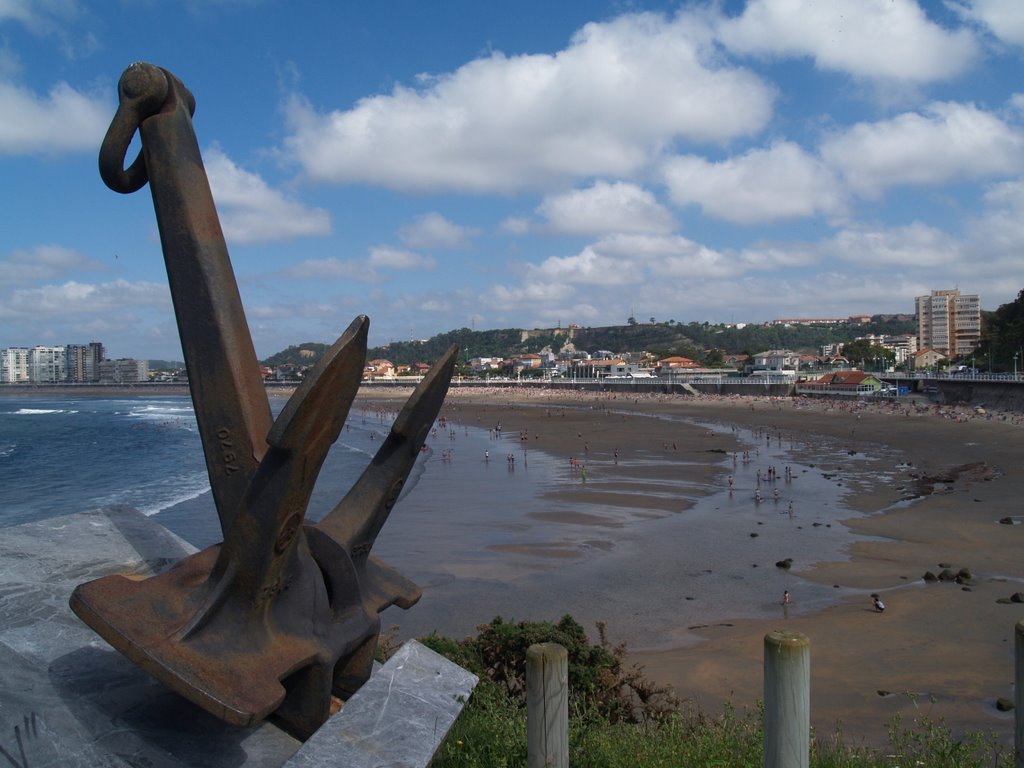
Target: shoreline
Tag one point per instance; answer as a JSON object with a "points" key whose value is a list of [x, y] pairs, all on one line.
{"points": [[651, 542], [941, 649]]}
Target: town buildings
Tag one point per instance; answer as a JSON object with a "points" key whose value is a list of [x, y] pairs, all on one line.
{"points": [[69, 364], [948, 322]]}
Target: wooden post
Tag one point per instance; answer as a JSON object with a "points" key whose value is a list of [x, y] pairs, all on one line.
{"points": [[547, 706], [1018, 697], [787, 700]]}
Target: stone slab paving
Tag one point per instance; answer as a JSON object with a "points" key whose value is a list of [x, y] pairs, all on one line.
{"points": [[68, 699]]}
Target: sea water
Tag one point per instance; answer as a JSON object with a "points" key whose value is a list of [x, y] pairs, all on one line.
{"points": [[477, 531]]}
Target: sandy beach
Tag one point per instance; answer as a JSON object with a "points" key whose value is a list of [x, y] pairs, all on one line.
{"points": [[640, 530]]}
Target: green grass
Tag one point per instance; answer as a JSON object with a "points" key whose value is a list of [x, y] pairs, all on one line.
{"points": [[618, 718]]}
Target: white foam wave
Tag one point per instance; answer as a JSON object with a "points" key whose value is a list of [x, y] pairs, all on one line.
{"points": [[37, 411], [151, 498]]}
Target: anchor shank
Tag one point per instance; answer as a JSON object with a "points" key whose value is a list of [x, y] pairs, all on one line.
{"points": [[230, 403]]}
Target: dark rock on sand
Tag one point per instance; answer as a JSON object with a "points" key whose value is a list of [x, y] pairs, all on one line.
{"points": [[785, 564], [930, 577], [1004, 704]]}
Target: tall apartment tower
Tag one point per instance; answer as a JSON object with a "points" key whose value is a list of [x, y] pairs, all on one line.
{"points": [[948, 322], [82, 361], [14, 365]]}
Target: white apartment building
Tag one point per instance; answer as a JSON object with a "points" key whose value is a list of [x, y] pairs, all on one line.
{"points": [[124, 371], [46, 365], [949, 322], [14, 365]]}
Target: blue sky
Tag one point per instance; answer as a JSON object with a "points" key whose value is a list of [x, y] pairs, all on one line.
{"points": [[466, 164]]}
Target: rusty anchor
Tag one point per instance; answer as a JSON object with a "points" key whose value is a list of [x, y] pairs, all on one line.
{"points": [[282, 614]]}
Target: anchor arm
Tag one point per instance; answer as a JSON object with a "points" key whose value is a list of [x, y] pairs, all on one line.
{"points": [[358, 517]]}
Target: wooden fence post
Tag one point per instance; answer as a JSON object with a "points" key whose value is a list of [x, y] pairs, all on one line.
{"points": [[1018, 696], [547, 706], [787, 700]]}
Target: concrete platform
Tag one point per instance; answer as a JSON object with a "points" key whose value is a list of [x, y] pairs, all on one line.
{"points": [[70, 700]]}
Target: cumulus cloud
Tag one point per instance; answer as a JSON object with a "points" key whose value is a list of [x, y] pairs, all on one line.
{"points": [[887, 39], [528, 295], [330, 269], [1001, 227], [65, 120], [585, 268], [762, 185], [396, 258], [1004, 18], [945, 142], [604, 106], [43, 262], [606, 208], [75, 298], [516, 225], [251, 211], [916, 244], [432, 230]]}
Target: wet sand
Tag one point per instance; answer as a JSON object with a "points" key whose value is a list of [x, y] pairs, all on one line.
{"points": [[651, 542]]}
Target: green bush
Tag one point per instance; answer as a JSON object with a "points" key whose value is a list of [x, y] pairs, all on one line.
{"points": [[618, 718]]}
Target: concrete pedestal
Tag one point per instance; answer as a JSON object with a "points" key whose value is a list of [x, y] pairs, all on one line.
{"points": [[68, 699]]}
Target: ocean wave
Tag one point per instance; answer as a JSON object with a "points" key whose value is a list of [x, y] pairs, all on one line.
{"points": [[154, 497], [37, 411], [7, 449]]}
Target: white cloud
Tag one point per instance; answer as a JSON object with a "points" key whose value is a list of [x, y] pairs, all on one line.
{"points": [[43, 262], [915, 244], [1004, 18], [946, 142], [1000, 229], [516, 225], [604, 106], [528, 296], [585, 268], [330, 269], [74, 298], [432, 230], [781, 182], [395, 258], [888, 39], [606, 208], [251, 211], [65, 120]]}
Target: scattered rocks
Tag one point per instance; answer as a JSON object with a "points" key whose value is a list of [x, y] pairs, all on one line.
{"points": [[785, 564], [930, 577], [1006, 521], [946, 574]]}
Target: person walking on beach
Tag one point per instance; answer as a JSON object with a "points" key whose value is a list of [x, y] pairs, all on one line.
{"points": [[785, 597], [877, 603]]}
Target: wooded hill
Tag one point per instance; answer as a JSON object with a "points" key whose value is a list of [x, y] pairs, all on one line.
{"points": [[661, 339]]}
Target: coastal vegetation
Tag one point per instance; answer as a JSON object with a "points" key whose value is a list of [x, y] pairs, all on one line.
{"points": [[619, 718]]}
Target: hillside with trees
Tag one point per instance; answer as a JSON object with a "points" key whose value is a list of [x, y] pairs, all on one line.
{"points": [[661, 339]]}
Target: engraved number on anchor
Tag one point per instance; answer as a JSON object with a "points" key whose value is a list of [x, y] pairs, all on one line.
{"points": [[227, 450]]}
